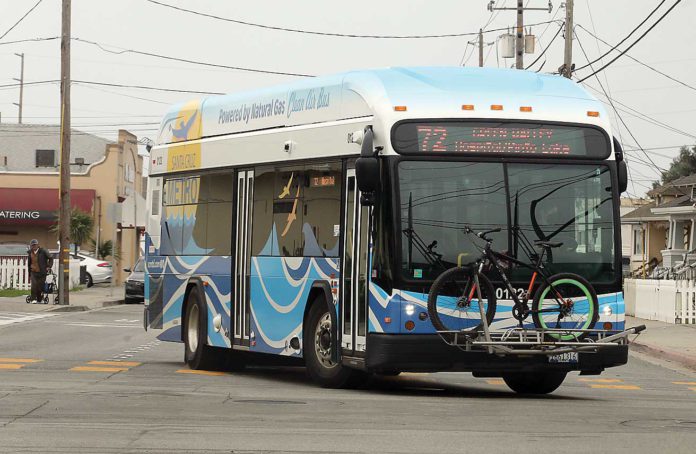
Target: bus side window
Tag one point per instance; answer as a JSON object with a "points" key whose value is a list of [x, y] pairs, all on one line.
{"points": [[322, 209]]}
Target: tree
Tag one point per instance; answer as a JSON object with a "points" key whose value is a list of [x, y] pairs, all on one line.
{"points": [[81, 226], [684, 164]]}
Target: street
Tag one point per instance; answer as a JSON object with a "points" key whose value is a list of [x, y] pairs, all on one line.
{"points": [[95, 382]]}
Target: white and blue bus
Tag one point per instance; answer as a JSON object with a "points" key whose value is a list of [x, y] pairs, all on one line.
{"points": [[259, 240]]}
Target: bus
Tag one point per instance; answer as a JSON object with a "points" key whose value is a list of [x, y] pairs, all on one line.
{"points": [[301, 220]]}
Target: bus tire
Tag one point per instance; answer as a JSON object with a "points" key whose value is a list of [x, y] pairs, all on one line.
{"points": [[197, 354], [534, 382], [318, 342]]}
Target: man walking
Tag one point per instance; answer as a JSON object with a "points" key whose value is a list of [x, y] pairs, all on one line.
{"points": [[39, 263]]}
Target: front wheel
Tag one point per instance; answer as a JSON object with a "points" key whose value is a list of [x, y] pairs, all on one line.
{"points": [[197, 354], [453, 301], [534, 382], [565, 301], [318, 347]]}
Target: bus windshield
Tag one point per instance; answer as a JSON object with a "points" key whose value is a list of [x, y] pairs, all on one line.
{"points": [[570, 203]]}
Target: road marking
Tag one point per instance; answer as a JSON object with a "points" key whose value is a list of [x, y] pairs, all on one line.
{"points": [[98, 369], [23, 360], [101, 325], [600, 380], [19, 317], [115, 363], [200, 372], [11, 366], [495, 381], [688, 383], [693, 389], [626, 387]]}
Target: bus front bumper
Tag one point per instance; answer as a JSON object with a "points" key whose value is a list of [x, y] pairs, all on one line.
{"points": [[429, 353]]}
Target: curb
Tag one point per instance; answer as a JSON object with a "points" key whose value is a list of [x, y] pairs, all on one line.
{"points": [[68, 309], [655, 352]]}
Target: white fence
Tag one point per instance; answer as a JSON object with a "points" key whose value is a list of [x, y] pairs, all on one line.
{"points": [[665, 300], [14, 274]]}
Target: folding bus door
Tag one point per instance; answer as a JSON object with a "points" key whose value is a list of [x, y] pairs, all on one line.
{"points": [[242, 257], [354, 278]]}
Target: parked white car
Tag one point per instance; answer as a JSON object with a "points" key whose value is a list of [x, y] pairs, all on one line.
{"points": [[98, 271]]}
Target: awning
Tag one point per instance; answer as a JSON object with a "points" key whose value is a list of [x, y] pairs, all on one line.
{"points": [[39, 206]]}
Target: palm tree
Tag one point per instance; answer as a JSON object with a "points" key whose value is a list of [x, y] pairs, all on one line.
{"points": [[81, 225]]}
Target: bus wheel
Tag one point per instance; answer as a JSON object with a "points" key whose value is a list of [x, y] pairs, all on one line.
{"points": [[534, 382], [318, 345], [197, 354]]}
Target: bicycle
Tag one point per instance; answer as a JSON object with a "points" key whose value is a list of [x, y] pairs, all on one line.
{"points": [[461, 296]]}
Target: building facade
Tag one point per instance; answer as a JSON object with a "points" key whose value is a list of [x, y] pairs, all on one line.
{"points": [[106, 182]]}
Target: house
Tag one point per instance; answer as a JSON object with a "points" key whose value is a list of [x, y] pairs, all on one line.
{"points": [[662, 231], [106, 182]]}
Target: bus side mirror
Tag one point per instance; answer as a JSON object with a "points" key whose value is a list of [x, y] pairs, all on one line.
{"points": [[623, 175], [367, 174]]}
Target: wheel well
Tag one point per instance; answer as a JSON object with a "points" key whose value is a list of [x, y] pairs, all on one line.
{"points": [[314, 294]]}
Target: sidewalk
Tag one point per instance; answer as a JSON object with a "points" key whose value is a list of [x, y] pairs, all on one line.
{"points": [[676, 343], [100, 295]]}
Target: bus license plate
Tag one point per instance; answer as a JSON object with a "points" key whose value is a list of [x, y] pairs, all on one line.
{"points": [[570, 357]]}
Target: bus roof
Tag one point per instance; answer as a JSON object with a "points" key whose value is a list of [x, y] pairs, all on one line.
{"points": [[420, 92]]}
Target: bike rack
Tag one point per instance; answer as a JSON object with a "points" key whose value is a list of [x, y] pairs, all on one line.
{"points": [[522, 341]]}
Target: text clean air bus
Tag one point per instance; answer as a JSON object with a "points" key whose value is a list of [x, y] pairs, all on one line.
{"points": [[259, 240]]}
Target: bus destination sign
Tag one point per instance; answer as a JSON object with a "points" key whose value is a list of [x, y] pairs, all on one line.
{"points": [[504, 138]]}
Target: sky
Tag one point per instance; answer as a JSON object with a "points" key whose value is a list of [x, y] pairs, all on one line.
{"points": [[144, 26]]}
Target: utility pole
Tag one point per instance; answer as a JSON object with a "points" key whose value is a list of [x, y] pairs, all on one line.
{"points": [[64, 217], [480, 44], [21, 88], [519, 41], [568, 52]]}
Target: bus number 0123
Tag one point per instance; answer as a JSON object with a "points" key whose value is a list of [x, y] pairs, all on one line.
{"points": [[504, 294]]}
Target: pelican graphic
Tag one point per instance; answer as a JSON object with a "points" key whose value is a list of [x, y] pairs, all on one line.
{"points": [[182, 131], [286, 189], [292, 216]]}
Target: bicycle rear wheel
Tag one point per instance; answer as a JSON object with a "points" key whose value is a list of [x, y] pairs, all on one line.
{"points": [[453, 301], [566, 301]]}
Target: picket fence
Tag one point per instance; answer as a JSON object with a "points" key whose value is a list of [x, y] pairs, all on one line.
{"points": [[666, 300], [14, 274]]}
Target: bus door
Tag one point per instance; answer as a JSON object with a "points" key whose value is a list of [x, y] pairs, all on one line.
{"points": [[242, 258], [354, 279]]}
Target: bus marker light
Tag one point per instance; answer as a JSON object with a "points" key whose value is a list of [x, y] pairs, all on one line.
{"points": [[608, 326], [525, 108], [400, 108], [467, 107], [592, 113], [410, 325], [423, 316], [496, 107], [387, 320], [205, 283]]}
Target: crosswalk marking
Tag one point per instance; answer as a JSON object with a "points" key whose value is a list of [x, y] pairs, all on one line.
{"points": [[19, 360], [9, 318], [626, 387], [98, 369], [600, 380], [115, 363], [200, 372]]}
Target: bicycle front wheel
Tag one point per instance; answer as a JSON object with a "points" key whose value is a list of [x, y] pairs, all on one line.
{"points": [[453, 301], [566, 301]]}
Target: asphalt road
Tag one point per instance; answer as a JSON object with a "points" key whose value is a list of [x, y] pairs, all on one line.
{"points": [[95, 382]]}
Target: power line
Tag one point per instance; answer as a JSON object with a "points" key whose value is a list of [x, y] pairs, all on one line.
{"points": [[312, 32], [185, 60], [52, 38], [640, 62], [625, 38], [21, 19], [634, 43]]}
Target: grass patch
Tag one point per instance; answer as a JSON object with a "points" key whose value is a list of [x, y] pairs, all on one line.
{"points": [[10, 292]]}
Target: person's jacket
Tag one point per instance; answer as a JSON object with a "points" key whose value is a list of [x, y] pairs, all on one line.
{"points": [[43, 257]]}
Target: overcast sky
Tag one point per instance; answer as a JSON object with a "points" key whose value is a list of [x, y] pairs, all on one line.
{"points": [[147, 27]]}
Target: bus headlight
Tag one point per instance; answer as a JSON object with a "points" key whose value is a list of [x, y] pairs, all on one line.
{"points": [[607, 311], [410, 309]]}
